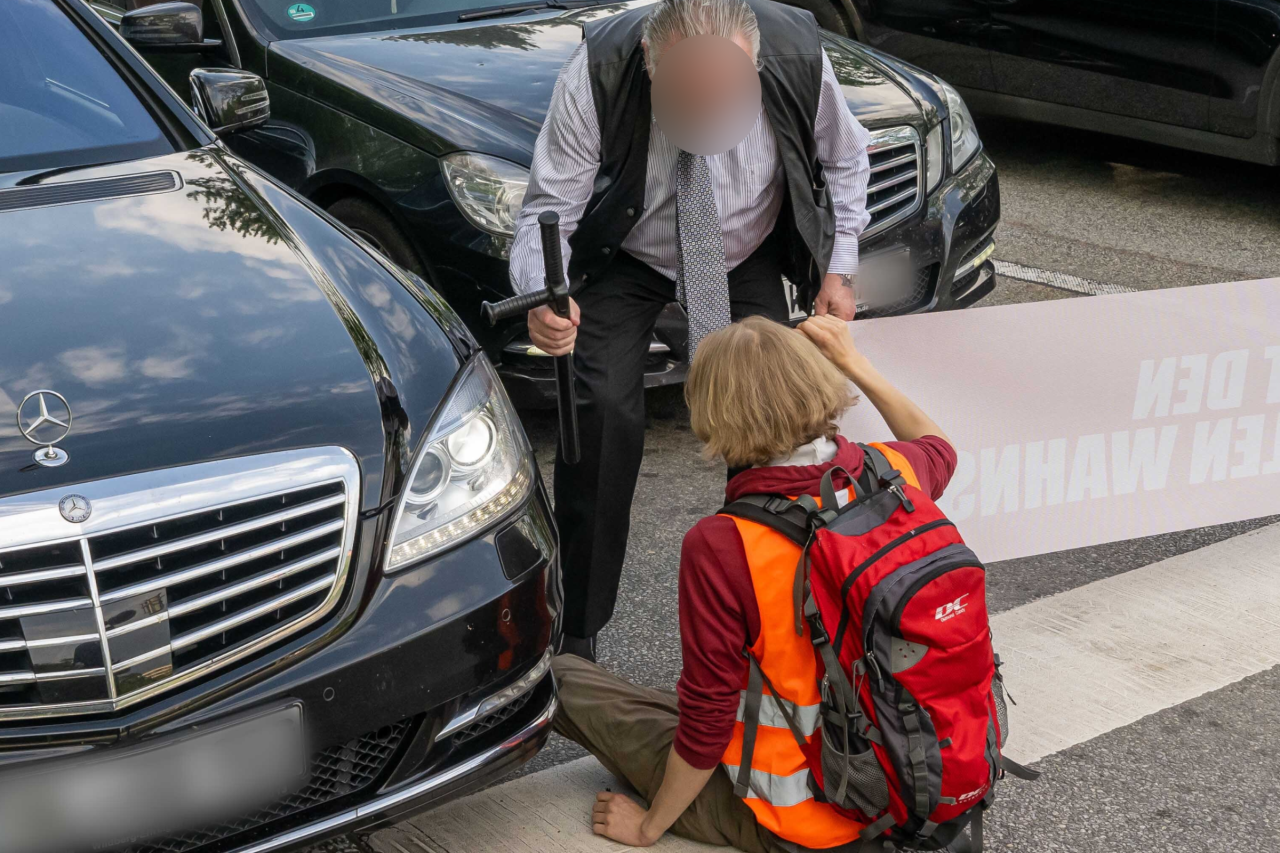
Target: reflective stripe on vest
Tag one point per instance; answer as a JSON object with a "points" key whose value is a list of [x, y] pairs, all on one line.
{"points": [[780, 795], [780, 791], [805, 716]]}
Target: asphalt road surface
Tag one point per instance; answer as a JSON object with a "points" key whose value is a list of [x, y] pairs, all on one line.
{"points": [[1201, 775]]}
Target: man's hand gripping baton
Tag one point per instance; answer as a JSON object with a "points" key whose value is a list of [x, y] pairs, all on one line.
{"points": [[556, 295]]}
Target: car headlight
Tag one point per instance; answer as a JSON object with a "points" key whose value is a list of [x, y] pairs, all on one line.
{"points": [[934, 162], [488, 190], [473, 468], [964, 133]]}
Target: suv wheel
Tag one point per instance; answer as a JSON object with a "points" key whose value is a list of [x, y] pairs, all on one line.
{"points": [[375, 227]]}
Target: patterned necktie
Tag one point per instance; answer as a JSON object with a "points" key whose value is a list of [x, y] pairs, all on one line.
{"points": [[702, 283]]}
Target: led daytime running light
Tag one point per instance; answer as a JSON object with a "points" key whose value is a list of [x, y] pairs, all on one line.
{"points": [[509, 496]]}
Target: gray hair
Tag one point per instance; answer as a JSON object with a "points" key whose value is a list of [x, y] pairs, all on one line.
{"points": [[672, 20]]}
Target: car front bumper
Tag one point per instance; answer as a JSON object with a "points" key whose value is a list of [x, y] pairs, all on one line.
{"points": [[424, 685], [429, 788], [950, 239]]}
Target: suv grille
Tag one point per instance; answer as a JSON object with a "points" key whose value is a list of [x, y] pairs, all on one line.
{"points": [[106, 619], [893, 190]]}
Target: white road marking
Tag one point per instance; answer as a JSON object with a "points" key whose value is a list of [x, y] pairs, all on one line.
{"points": [[1080, 663], [1060, 280], [1106, 654]]}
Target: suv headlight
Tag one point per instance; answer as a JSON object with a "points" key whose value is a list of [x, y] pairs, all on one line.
{"points": [[964, 133], [473, 468], [488, 190]]}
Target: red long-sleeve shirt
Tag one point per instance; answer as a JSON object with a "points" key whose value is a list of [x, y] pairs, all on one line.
{"points": [[719, 616]]}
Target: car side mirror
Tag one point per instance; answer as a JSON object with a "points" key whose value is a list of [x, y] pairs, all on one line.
{"points": [[228, 99], [166, 26]]}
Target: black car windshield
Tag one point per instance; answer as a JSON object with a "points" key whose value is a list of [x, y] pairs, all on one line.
{"points": [[62, 103], [286, 19]]}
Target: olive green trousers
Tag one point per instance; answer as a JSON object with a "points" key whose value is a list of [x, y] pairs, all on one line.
{"points": [[630, 729]]}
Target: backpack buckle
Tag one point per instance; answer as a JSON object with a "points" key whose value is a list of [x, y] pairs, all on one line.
{"points": [[777, 504], [898, 492], [817, 631], [818, 635]]}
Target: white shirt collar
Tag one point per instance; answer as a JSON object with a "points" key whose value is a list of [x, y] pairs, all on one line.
{"points": [[816, 452]]}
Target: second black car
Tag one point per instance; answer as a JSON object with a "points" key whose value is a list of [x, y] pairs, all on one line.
{"points": [[414, 124]]}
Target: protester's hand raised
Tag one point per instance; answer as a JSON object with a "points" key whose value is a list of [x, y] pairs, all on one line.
{"points": [[621, 818], [552, 333], [832, 337]]}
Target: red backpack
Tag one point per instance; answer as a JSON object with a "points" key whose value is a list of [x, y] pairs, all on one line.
{"points": [[913, 708]]}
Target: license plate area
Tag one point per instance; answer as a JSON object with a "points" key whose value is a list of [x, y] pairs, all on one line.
{"points": [[884, 278], [182, 782]]}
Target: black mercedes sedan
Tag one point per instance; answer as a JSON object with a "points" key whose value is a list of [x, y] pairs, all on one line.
{"points": [[275, 556], [413, 122]]}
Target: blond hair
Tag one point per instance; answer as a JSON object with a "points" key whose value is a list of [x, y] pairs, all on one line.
{"points": [[758, 390]]}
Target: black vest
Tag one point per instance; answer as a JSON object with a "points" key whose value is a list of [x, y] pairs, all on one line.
{"points": [[790, 81]]}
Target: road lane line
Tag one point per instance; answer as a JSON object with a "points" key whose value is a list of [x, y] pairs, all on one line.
{"points": [[1060, 280], [1080, 663], [1092, 659]]}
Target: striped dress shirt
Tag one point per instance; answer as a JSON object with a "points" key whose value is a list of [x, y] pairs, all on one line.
{"points": [[747, 182]]}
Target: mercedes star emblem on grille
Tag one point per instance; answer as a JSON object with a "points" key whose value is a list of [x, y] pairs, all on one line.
{"points": [[75, 508], [45, 426]]}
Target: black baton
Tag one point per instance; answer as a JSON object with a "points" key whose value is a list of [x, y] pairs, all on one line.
{"points": [[556, 295]]}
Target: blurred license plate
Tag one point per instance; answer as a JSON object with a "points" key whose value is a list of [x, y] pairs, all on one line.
{"points": [[883, 279], [179, 783]]}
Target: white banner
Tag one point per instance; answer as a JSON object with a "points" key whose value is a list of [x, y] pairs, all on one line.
{"points": [[1099, 419]]}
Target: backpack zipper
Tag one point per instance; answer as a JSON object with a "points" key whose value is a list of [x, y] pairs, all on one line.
{"points": [[868, 563], [895, 618]]}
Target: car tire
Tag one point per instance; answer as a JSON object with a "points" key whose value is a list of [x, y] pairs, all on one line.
{"points": [[829, 14], [376, 228]]}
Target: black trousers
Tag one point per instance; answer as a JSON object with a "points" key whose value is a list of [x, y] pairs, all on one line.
{"points": [[593, 498]]}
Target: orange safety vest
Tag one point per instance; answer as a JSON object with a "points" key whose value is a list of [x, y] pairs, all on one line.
{"points": [[780, 794]]}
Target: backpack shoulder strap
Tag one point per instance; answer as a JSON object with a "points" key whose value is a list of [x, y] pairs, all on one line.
{"points": [[788, 517], [897, 460], [757, 681], [877, 468], [880, 466], [794, 519]]}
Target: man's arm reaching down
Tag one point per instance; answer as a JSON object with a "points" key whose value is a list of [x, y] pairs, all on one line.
{"points": [[842, 150]]}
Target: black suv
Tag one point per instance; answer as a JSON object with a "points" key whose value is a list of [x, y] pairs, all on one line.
{"points": [[414, 122], [275, 557]]}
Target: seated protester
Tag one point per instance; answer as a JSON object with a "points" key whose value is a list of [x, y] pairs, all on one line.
{"points": [[763, 395]]}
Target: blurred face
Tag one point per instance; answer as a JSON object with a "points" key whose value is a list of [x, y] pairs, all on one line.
{"points": [[706, 93]]}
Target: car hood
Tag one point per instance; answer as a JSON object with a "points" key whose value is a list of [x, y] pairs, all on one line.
{"points": [[219, 317], [486, 85]]}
